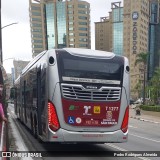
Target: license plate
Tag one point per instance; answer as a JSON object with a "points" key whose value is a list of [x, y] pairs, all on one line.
{"points": [[92, 122]]}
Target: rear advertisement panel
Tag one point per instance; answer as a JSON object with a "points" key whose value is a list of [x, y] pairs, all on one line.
{"points": [[93, 114]]}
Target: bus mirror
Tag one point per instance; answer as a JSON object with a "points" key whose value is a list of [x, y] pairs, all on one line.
{"points": [[13, 93], [51, 60], [127, 68]]}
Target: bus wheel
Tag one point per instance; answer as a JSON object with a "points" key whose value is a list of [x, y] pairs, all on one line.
{"points": [[19, 114], [35, 128], [32, 125]]}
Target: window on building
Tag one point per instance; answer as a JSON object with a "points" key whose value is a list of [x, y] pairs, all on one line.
{"points": [[35, 8], [82, 17], [36, 13], [70, 28], [71, 45], [71, 23], [83, 45], [82, 23], [70, 12], [82, 29], [82, 6], [82, 12], [70, 6], [71, 40], [83, 34], [71, 34], [83, 39]]}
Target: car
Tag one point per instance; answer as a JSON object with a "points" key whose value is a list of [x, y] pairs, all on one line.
{"points": [[131, 101], [140, 100]]}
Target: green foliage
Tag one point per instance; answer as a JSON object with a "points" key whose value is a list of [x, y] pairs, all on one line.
{"points": [[150, 108], [142, 58], [154, 86], [138, 88]]}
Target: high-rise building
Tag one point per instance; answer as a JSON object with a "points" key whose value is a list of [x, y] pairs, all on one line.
{"points": [[135, 29], [117, 33], [59, 24], [103, 34], [136, 20], [154, 38], [109, 31], [19, 65]]}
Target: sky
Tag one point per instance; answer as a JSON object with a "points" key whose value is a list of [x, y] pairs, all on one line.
{"points": [[16, 39]]}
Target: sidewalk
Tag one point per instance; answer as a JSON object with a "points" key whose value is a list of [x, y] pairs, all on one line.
{"points": [[148, 116]]}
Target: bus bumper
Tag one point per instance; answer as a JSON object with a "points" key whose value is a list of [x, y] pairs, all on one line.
{"points": [[89, 137]]}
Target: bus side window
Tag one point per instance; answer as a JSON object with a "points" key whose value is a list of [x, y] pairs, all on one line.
{"points": [[13, 94]]}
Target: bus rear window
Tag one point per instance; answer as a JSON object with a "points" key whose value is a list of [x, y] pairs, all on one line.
{"points": [[90, 68]]}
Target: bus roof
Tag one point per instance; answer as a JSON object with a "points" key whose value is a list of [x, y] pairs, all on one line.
{"points": [[90, 53]]}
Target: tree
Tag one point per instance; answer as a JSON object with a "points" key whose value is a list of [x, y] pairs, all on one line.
{"points": [[155, 86], [138, 88], [142, 58]]}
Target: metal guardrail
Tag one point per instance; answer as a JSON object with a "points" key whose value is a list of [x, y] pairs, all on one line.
{"points": [[3, 139]]}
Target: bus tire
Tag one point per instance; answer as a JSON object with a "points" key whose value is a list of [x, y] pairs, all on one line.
{"points": [[32, 124], [35, 128]]}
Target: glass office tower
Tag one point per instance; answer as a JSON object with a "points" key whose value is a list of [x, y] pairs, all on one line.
{"points": [[61, 23], [117, 20], [154, 38], [50, 25]]}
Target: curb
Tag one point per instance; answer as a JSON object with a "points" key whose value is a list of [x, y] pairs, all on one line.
{"points": [[145, 120]]}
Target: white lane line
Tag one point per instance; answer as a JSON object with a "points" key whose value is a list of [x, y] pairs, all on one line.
{"points": [[122, 149], [132, 126], [144, 138], [116, 147]]}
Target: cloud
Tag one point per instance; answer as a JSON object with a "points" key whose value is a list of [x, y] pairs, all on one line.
{"points": [[17, 39], [15, 10]]}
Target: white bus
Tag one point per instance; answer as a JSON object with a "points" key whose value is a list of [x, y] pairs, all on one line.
{"points": [[75, 95]]}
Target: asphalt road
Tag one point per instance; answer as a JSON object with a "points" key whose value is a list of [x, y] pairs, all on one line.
{"points": [[143, 136]]}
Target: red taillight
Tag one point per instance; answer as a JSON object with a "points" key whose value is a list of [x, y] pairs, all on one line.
{"points": [[124, 126], [52, 117]]}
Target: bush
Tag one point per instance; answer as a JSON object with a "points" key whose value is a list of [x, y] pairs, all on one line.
{"points": [[150, 108]]}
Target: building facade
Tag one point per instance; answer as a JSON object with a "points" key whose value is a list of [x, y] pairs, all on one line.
{"points": [[109, 31], [103, 34], [117, 22], [136, 39], [154, 38], [19, 65], [59, 24], [135, 29]]}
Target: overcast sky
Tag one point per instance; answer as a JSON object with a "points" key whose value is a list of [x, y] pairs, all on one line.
{"points": [[16, 39]]}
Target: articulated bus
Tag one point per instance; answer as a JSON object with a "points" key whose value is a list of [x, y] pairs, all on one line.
{"points": [[73, 95]]}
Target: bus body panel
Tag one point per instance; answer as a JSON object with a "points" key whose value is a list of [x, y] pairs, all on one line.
{"points": [[35, 114], [59, 106], [92, 137]]}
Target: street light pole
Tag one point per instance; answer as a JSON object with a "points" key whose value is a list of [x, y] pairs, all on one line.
{"points": [[1, 54], [9, 24]]}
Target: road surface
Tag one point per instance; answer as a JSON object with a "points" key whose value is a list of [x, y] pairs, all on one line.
{"points": [[143, 136]]}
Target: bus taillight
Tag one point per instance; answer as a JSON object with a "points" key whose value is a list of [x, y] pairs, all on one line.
{"points": [[124, 126], [52, 117]]}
